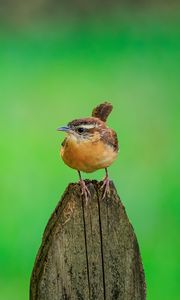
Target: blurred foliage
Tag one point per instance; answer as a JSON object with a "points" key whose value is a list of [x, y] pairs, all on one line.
{"points": [[52, 73], [25, 11]]}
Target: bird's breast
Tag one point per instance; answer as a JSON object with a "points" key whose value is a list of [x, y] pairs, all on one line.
{"points": [[87, 156]]}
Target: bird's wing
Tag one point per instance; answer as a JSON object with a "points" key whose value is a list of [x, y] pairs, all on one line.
{"points": [[109, 136]]}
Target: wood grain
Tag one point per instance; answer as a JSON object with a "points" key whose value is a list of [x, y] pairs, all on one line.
{"points": [[88, 251]]}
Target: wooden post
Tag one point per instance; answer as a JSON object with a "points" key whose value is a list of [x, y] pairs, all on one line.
{"points": [[88, 251]]}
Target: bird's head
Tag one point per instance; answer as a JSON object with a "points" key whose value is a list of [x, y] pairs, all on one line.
{"points": [[89, 128], [84, 129]]}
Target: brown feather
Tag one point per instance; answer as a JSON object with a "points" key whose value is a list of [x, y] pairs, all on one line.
{"points": [[109, 136], [102, 111]]}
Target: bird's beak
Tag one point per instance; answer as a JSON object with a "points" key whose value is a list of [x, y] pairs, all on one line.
{"points": [[64, 128]]}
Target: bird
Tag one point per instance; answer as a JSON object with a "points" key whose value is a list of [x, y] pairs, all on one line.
{"points": [[90, 145]]}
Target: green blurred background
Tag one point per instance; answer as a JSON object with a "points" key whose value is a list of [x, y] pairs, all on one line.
{"points": [[57, 61]]}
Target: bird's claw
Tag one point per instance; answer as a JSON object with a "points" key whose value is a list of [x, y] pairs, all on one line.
{"points": [[84, 190], [106, 187]]}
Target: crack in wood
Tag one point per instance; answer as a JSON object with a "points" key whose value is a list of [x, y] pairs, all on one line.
{"points": [[101, 239], [85, 239]]}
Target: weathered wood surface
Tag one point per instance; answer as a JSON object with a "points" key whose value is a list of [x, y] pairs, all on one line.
{"points": [[88, 251]]}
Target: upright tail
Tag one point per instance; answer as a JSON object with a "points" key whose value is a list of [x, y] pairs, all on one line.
{"points": [[102, 111]]}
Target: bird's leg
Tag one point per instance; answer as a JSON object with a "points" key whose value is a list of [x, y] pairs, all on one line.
{"points": [[105, 185], [84, 189]]}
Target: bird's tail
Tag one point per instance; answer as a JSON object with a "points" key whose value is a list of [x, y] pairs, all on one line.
{"points": [[102, 111]]}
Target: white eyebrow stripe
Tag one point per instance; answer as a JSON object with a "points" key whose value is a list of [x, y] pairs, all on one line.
{"points": [[87, 126]]}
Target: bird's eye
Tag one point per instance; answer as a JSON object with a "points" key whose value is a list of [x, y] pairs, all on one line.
{"points": [[80, 130]]}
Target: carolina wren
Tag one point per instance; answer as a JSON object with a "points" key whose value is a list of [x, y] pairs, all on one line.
{"points": [[90, 145]]}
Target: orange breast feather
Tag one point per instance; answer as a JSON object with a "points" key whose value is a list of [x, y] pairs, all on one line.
{"points": [[87, 156]]}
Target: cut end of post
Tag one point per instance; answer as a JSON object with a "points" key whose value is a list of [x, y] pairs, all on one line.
{"points": [[88, 251]]}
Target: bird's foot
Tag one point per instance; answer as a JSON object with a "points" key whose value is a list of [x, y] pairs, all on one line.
{"points": [[84, 190], [106, 187]]}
